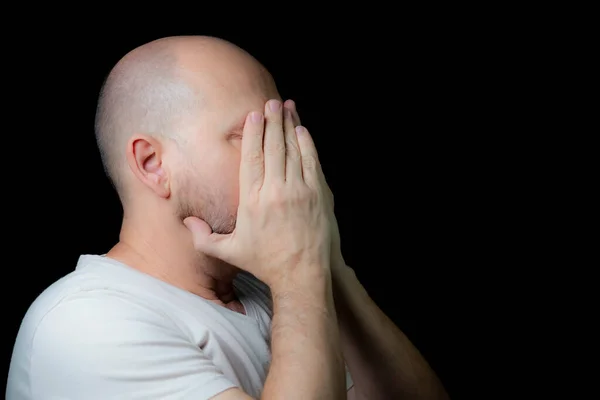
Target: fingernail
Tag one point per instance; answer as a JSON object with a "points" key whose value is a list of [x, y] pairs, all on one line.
{"points": [[300, 130], [255, 117], [288, 113], [274, 105]]}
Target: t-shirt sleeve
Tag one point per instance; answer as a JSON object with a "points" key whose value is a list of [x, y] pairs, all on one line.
{"points": [[94, 346], [349, 381]]}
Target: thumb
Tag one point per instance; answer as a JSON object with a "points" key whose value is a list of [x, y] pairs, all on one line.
{"points": [[204, 239]]}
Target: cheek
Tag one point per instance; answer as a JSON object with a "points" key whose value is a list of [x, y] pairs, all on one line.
{"points": [[215, 167], [230, 181], [224, 173]]}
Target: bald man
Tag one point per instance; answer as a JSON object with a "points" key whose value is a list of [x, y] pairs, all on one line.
{"points": [[228, 280]]}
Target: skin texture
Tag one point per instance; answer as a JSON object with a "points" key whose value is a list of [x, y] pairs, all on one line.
{"points": [[282, 236], [180, 165], [170, 123], [167, 169]]}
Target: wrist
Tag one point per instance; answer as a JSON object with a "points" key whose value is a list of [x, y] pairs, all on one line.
{"points": [[347, 290], [305, 279], [303, 297]]}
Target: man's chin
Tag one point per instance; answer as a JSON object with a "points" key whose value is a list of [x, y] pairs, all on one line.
{"points": [[223, 228]]}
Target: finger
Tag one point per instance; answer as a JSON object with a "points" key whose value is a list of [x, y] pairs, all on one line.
{"points": [[309, 158], [293, 159], [291, 105], [252, 156], [205, 241], [324, 185], [326, 189], [274, 143]]}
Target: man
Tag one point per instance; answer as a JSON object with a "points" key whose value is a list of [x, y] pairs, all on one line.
{"points": [[228, 280]]}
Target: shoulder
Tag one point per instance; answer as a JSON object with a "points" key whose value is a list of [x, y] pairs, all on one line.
{"points": [[94, 295], [80, 320], [109, 342]]}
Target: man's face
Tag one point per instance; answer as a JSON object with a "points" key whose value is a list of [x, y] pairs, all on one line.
{"points": [[205, 183]]}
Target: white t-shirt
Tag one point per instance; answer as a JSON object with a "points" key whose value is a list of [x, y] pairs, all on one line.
{"points": [[107, 331]]}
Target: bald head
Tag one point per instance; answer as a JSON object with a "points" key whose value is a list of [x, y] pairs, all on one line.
{"points": [[158, 87]]}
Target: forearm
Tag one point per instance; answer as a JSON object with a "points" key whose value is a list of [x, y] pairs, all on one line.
{"points": [[307, 361], [382, 361]]}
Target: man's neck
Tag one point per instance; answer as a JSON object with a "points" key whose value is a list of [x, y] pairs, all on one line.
{"points": [[164, 249]]}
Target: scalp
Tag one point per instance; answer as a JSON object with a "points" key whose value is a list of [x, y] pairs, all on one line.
{"points": [[157, 86]]}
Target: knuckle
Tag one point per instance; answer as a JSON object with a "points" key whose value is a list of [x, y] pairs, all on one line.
{"points": [[292, 151], [303, 194], [309, 195], [253, 135], [276, 195], [253, 156], [309, 162], [275, 149], [253, 196]]}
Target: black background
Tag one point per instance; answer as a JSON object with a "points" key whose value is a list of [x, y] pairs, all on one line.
{"points": [[404, 126]]}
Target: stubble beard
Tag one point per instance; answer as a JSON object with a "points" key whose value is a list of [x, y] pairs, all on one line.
{"points": [[208, 205]]}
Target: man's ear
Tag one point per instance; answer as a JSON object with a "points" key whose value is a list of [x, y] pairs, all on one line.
{"points": [[145, 158]]}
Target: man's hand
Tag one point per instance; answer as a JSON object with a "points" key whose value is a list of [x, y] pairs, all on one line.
{"points": [[283, 220], [383, 362], [283, 237], [337, 260]]}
